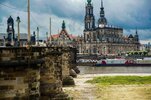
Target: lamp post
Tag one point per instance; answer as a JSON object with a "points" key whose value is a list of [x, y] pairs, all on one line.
{"points": [[18, 23], [47, 38], [50, 32], [38, 35], [4, 41], [28, 9]]}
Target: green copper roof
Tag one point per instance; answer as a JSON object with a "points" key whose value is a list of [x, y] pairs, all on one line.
{"points": [[63, 25], [89, 1]]}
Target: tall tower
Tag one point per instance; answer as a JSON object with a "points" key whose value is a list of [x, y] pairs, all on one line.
{"points": [[89, 17], [136, 37], [10, 31], [102, 20]]}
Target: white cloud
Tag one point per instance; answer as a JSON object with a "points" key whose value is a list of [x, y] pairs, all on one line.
{"points": [[145, 41], [42, 21], [144, 34]]}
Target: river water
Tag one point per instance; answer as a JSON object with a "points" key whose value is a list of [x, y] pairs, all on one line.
{"points": [[114, 70]]}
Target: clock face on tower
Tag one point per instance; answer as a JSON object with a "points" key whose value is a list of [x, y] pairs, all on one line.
{"points": [[101, 25], [10, 27]]}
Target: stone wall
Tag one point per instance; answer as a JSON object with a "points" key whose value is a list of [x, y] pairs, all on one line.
{"points": [[19, 74], [35, 72], [19, 82]]}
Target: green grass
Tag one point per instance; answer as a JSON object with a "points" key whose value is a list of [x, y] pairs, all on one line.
{"points": [[121, 80]]}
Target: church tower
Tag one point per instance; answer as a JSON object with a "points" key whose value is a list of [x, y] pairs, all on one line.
{"points": [[102, 20], [89, 17]]}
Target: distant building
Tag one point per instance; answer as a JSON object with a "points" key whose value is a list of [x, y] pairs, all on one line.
{"points": [[9, 38], [104, 39], [2, 39], [142, 47], [63, 38], [23, 39]]}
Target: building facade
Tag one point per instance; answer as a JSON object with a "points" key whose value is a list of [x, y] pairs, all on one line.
{"points": [[63, 38], [104, 39]]}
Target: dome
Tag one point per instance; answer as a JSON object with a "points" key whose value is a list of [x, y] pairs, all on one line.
{"points": [[10, 20], [103, 21], [89, 1]]}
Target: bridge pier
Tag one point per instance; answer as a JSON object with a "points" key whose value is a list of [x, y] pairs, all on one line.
{"points": [[33, 73], [19, 82]]}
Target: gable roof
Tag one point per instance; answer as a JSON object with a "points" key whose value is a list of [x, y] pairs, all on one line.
{"points": [[56, 36], [130, 36], [64, 32]]}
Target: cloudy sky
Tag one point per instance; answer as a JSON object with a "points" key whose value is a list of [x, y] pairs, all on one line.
{"points": [[129, 14]]}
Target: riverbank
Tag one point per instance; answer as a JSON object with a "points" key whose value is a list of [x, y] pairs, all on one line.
{"points": [[88, 91]]}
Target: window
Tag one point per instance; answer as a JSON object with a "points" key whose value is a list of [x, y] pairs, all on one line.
{"points": [[88, 37], [98, 36], [94, 37], [94, 50], [88, 25]]}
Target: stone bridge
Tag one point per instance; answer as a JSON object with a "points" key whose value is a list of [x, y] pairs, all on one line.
{"points": [[36, 72]]}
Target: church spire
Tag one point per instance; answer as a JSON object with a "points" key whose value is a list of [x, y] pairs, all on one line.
{"points": [[102, 20], [102, 4], [63, 25], [102, 14], [136, 32], [136, 36]]}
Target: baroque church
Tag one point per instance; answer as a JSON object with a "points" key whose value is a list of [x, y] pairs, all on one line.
{"points": [[104, 39]]}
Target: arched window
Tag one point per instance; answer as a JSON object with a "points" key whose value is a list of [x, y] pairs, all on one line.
{"points": [[88, 25], [94, 37]]}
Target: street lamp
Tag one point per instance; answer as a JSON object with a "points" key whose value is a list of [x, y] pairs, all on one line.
{"points": [[18, 22], [38, 35], [47, 36], [3, 40]]}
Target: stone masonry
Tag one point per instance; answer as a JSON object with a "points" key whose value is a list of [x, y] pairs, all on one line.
{"points": [[33, 73]]}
